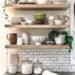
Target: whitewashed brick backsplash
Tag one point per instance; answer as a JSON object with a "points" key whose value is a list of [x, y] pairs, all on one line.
{"points": [[52, 59]]}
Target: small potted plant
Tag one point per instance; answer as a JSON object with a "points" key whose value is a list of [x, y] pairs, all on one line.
{"points": [[68, 39], [52, 35]]}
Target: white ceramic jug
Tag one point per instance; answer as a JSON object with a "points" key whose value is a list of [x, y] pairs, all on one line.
{"points": [[41, 1]]}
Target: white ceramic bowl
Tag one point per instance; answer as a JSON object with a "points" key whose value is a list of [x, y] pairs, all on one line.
{"points": [[38, 39]]}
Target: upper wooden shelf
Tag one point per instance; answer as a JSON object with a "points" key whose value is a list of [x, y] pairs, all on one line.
{"points": [[37, 46], [39, 6], [38, 26]]}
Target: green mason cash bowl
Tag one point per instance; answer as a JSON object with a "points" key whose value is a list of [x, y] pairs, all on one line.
{"points": [[40, 17]]}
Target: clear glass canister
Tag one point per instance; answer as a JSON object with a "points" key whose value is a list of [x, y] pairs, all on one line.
{"points": [[38, 68], [27, 67]]}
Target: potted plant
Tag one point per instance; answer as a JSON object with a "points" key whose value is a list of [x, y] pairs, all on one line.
{"points": [[52, 35], [68, 39]]}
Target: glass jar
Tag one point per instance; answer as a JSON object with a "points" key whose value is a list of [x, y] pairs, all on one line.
{"points": [[27, 67], [38, 68]]}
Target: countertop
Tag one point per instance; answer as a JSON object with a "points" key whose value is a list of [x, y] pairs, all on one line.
{"points": [[60, 73]]}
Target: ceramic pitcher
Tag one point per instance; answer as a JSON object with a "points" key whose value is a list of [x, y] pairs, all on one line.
{"points": [[63, 18]]}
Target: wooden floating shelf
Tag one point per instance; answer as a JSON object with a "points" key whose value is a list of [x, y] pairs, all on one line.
{"points": [[63, 6], [37, 46], [37, 26]]}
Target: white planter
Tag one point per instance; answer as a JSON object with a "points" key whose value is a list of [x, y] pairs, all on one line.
{"points": [[60, 39]]}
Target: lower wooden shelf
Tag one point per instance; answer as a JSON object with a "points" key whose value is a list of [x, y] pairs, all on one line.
{"points": [[37, 26], [37, 46]]}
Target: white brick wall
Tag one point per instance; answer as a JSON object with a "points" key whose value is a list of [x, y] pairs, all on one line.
{"points": [[52, 59]]}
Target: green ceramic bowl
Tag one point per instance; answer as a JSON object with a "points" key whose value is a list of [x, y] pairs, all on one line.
{"points": [[40, 17]]}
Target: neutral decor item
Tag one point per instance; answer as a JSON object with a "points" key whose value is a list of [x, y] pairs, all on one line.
{"points": [[59, 40], [25, 38], [57, 22], [41, 1], [38, 39], [51, 20], [12, 69], [20, 41], [27, 67], [16, 20], [29, 22], [12, 37], [63, 18]]}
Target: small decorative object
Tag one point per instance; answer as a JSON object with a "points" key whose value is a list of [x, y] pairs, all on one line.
{"points": [[16, 20], [29, 22], [38, 68], [12, 37], [40, 18], [63, 18], [24, 23], [38, 39], [27, 67], [25, 38], [41, 1], [19, 41], [51, 20], [58, 22]]}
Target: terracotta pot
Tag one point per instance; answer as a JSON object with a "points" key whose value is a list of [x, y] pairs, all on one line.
{"points": [[12, 37]]}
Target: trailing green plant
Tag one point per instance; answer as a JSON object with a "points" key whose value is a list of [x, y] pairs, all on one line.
{"points": [[68, 39], [4, 5]]}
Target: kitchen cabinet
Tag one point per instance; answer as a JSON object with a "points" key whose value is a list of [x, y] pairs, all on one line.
{"points": [[29, 7]]}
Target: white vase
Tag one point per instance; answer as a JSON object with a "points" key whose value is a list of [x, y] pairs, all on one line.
{"points": [[25, 38]]}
